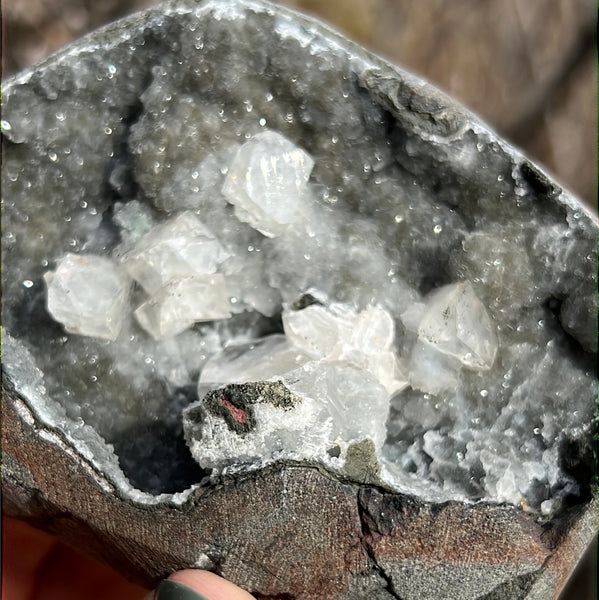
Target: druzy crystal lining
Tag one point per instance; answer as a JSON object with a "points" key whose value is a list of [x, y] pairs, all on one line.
{"points": [[397, 207], [340, 364]]}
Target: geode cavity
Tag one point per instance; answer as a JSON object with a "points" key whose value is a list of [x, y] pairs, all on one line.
{"points": [[419, 296]]}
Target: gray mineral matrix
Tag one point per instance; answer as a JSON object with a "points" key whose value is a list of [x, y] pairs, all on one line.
{"points": [[413, 211]]}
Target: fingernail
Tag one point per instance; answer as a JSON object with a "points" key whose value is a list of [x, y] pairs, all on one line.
{"points": [[171, 590]]}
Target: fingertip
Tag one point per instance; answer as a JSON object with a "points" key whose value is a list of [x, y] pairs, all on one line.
{"points": [[192, 584]]}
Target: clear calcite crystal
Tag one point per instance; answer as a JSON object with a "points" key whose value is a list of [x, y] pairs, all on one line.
{"points": [[183, 302], [454, 330], [363, 339], [258, 360], [318, 330], [456, 323], [181, 247], [341, 390], [88, 295], [266, 181]]}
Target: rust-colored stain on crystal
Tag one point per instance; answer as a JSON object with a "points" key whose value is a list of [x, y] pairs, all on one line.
{"points": [[237, 414]]}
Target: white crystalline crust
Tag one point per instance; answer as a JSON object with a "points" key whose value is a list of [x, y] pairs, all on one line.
{"points": [[330, 394], [47, 414], [329, 358], [244, 236]]}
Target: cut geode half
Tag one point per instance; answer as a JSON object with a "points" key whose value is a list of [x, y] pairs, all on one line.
{"points": [[393, 340]]}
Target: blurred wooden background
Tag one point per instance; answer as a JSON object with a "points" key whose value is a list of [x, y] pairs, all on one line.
{"points": [[527, 67]]}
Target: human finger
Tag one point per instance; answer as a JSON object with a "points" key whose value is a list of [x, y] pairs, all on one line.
{"points": [[198, 585]]}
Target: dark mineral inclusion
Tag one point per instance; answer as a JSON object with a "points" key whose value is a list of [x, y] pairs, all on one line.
{"points": [[84, 129]]}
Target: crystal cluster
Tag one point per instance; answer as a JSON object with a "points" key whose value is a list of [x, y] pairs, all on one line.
{"points": [[182, 248], [278, 206], [335, 361], [176, 264]]}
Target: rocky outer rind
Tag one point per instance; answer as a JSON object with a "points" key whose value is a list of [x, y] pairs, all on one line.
{"points": [[290, 531]]}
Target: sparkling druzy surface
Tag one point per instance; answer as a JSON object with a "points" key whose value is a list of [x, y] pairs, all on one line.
{"points": [[319, 260]]}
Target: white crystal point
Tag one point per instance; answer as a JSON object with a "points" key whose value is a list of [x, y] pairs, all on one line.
{"points": [[89, 295], [431, 371], [266, 182], [259, 360], [181, 303], [352, 399], [338, 333], [456, 323], [317, 330], [179, 248]]}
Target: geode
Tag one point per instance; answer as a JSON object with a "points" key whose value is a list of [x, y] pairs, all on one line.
{"points": [[276, 308]]}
